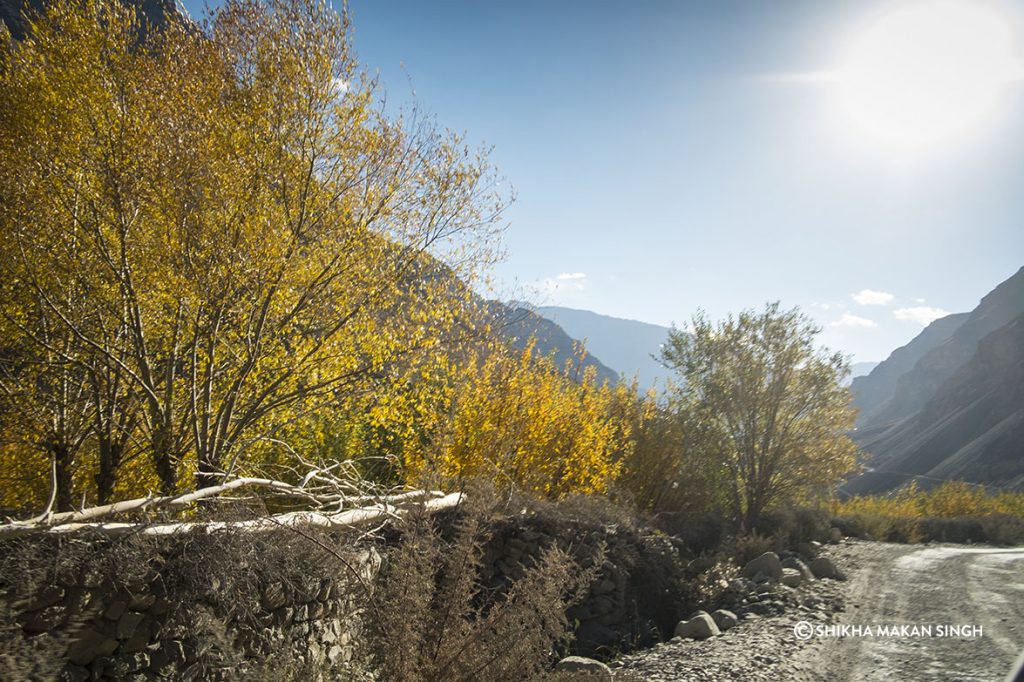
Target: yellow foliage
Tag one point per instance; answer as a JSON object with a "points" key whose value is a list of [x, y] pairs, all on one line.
{"points": [[952, 499], [207, 239], [520, 420]]}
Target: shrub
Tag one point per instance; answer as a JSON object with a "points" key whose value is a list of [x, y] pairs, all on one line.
{"points": [[697, 533], [789, 526], [433, 619], [952, 512]]}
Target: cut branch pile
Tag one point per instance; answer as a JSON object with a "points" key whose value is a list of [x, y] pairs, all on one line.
{"points": [[330, 501]]}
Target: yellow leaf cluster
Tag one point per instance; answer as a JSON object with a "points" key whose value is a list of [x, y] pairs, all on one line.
{"points": [[520, 420]]}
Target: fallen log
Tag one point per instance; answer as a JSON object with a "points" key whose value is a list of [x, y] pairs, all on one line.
{"points": [[349, 511]]}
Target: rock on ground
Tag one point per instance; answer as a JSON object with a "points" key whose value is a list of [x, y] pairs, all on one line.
{"points": [[700, 626], [724, 619], [593, 670], [823, 567], [767, 565]]}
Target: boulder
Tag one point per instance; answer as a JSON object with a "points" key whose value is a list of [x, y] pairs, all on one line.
{"points": [[822, 567], [791, 577], [765, 566], [700, 626], [587, 667], [835, 535], [808, 550], [128, 623], [724, 619], [797, 564]]}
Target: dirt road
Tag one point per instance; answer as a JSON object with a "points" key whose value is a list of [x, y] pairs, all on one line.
{"points": [[909, 613], [967, 604]]}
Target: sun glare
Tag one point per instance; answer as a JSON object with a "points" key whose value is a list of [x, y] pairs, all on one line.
{"points": [[927, 72]]}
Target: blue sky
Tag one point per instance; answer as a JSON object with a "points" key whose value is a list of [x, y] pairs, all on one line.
{"points": [[674, 155]]}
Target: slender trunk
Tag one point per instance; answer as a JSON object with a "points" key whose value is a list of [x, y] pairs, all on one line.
{"points": [[106, 477], [61, 454], [164, 461]]}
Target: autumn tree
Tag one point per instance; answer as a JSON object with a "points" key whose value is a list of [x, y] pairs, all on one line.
{"points": [[220, 227], [517, 418], [757, 397]]}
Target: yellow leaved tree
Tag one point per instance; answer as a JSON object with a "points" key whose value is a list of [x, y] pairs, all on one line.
{"points": [[210, 232]]}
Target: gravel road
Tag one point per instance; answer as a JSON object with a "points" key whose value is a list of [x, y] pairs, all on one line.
{"points": [[967, 604]]}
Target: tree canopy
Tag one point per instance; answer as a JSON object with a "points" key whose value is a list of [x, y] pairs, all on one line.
{"points": [[763, 404], [209, 232]]}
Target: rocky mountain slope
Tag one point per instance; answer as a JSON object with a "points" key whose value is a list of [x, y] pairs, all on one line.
{"points": [[971, 429], [156, 12], [916, 387], [872, 392], [958, 412], [860, 369]]}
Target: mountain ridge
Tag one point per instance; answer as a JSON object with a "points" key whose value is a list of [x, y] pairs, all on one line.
{"points": [[958, 411], [627, 346]]}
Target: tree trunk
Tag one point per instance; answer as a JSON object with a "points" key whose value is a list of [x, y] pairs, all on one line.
{"points": [[164, 461], [106, 477], [61, 454]]}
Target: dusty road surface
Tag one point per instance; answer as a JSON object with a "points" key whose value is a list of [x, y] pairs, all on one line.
{"points": [[976, 595], [909, 613]]}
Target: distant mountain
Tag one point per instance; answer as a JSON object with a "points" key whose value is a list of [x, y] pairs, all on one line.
{"points": [[624, 345], [971, 429], [872, 393], [915, 387], [519, 324], [949, 404]]}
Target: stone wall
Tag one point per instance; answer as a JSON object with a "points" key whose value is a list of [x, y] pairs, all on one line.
{"points": [[208, 607], [142, 625]]}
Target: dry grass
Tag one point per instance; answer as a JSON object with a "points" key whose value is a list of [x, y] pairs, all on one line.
{"points": [[952, 512], [434, 619]]}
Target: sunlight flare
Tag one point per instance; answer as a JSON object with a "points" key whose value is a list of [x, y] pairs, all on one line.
{"points": [[927, 72]]}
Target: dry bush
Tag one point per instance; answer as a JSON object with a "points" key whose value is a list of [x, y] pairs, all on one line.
{"points": [[744, 548], [698, 533], [952, 512], [789, 526], [433, 618]]}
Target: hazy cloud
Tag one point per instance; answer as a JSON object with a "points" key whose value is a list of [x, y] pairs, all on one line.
{"points": [[923, 315], [561, 284], [872, 297], [848, 320]]}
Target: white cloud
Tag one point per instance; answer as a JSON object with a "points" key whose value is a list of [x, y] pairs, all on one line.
{"points": [[922, 315], [561, 285], [872, 297], [848, 320]]}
